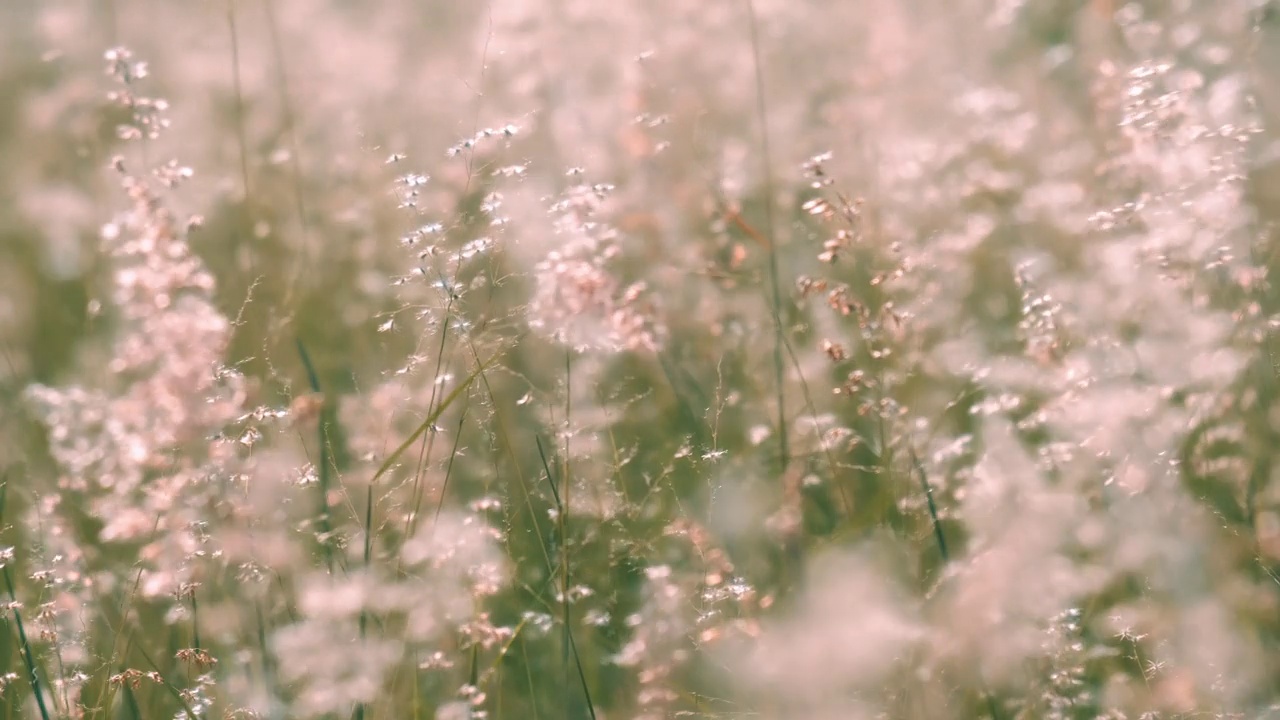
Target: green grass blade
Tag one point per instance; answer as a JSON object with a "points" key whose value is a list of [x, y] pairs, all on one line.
{"points": [[431, 419]]}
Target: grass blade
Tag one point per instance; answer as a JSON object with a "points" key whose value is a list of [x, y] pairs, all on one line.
{"points": [[28, 657], [933, 507], [431, 419], [324, 468]]}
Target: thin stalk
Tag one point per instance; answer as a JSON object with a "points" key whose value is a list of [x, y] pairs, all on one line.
{"points": [[7, 700], [368, 558], [295, 158], [236, 83], [945, 553], [55, 647], [570, 645], [516, 464], [496, 664], [417, 692], [933, 507], [562, 512], [528, 497], [106, 696], [432, 417], [528, 674], [195, 622], [448, 471], [411, 523], [173, 689], [268, 663], [131, 703], [28, 657], [387, 464], [323, 466], [736, 218], [775, 284]]}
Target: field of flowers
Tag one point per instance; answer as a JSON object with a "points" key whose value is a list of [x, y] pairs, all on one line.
{"points": [[648, 359]]}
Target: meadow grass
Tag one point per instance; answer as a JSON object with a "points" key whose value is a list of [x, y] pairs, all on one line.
{"points": [[557, 359]]}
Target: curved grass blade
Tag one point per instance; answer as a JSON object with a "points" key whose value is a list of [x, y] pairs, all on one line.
{"points": [[28, 657], [431, 419]]}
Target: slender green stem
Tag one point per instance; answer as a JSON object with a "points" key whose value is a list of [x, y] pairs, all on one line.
{"points": [[28, 657], [992, 708], [570, 644], [295, 151], [368, 559], [933, 507], [324, 466], [237, 84], [775, 283]]}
